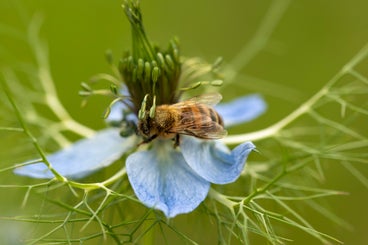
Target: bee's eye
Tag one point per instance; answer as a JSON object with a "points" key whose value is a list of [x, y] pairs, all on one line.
{"points": [[146, 130], [145, 127]]}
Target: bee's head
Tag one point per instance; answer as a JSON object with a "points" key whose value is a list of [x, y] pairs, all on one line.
{"points": [[146, 127]]}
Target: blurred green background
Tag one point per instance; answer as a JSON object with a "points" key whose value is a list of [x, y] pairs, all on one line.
{"points": [[308, 46]]}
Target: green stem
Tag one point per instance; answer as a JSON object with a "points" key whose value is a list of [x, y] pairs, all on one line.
{"points": [[29, 134], [221, 199], [47, 84], [304, 108], [277, 127]]}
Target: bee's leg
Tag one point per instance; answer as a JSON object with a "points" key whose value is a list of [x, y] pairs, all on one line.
{"points": [[177, 140], [147, 140]]}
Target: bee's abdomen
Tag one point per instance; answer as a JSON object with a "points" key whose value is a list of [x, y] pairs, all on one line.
{"points": [[215, 116], [209, 112], [202, 112]]}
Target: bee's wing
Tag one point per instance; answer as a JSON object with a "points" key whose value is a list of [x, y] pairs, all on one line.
{"points": [[211, 131], [198, 123], [209, 99]]}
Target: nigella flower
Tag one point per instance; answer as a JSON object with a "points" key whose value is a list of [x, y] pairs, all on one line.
{"points": [[172, 179]]}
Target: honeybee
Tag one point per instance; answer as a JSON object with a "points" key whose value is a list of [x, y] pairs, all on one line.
{"points": [[195, 117]]}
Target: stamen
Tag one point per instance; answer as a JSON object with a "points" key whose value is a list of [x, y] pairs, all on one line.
{"points": [[85, 87], [114, 89], [195, 85], [134, 74], [85, 93], [175, 50], [142, 110], [169, 62], [108, 109], [217, 63], [216, 83], [153, 108], [161, 60], [140, 68], [192, 86], [155, 74], [131, 64], [147, 71]]}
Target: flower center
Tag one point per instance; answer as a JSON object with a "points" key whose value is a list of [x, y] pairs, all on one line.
{"points": [[150, 74]]}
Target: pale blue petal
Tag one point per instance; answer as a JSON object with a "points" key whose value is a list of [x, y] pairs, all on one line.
{"points": [[161, 179], [213, 161], [242, 109], [83, 157]]}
